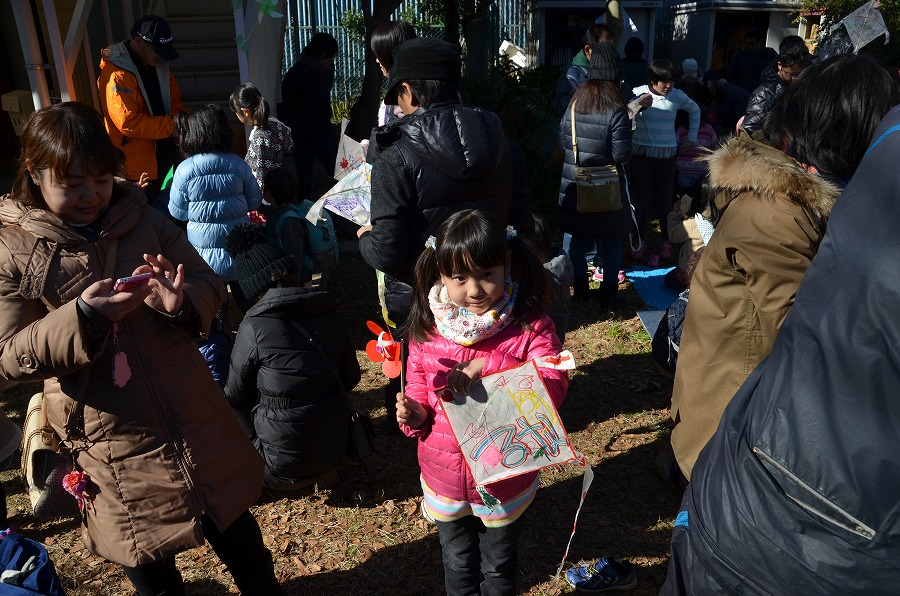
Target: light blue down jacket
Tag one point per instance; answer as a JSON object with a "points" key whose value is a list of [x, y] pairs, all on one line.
{"points": [[213, 192]]}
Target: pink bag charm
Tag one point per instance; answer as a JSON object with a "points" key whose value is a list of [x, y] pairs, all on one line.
{"points": [[121, 370], [76, 484]]}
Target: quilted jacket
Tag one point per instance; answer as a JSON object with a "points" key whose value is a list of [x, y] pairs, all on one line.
{"points": [[213, 192], [165, 448], [444, 469], [449, 158], [603, 139]]}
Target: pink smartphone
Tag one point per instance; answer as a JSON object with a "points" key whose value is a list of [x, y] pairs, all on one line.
{"points": [[127, 283]]}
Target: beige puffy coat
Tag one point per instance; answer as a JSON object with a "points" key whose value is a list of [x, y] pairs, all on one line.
{"points": [[773, 219], [165, 448]]}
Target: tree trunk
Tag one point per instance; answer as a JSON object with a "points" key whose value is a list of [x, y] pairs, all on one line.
{"points": [[363, 114], [451, 22]]}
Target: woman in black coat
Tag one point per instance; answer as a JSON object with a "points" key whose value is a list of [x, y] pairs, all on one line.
{"points": [[288, 394], [603, 132]]}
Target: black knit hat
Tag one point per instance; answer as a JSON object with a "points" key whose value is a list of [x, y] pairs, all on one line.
{"points": [[256, 262], [605, 63], [425, 58]]}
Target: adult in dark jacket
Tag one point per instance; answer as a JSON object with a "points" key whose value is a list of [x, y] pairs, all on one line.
{"points": [[603, 132], [441, 158], [796, 492], [290, 400], [747, 65], [774, 210], [791, 62], [306, 108], [634, 65]]}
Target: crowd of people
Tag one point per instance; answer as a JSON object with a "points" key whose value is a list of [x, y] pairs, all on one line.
{"points": [[774, 218]]}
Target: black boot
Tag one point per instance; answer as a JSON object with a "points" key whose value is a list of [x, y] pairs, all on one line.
{"points": [[580, 289], [606, 298]]}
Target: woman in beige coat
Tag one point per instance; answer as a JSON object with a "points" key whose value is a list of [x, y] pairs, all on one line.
{"points": [[167, 462], [774, 208]]}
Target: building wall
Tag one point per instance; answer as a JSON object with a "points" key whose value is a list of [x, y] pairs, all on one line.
{"points": [[693, 37], [781, 24]]}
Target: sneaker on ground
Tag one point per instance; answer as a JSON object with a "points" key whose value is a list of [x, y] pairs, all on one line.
{"points": [[653, 261], [607, 574], [665, 250], [598, 276]]}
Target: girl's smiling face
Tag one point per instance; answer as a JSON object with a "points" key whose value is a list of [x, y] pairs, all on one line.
{"points": [[476, 290], [79, 197], [662, 87]]}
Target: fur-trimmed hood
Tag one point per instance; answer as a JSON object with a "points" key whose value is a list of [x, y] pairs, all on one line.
{"points": [[746, 167]]}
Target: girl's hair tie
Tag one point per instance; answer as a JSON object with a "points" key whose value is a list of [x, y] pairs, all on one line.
{"points": [[431, 243], [510, 233]]}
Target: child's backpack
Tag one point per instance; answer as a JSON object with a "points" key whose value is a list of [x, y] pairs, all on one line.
{"points": [[667, 339], [26, 568], [321, 240]]}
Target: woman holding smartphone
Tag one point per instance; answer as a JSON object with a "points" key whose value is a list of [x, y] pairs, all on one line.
{"points": [[167, 464]]}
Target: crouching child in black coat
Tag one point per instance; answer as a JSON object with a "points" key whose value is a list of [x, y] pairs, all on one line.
{"points": [[289, 394]]}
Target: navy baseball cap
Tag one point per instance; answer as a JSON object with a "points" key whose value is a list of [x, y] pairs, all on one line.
{"points": [[156, 31]]}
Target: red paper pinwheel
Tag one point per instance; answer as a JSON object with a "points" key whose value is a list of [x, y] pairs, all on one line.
{"points": [[384, 350]]}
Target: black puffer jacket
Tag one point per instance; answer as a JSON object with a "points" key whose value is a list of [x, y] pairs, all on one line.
{"points": [[285, 394], [431, 165], [603, 139], [763, 99], [796, 493]]}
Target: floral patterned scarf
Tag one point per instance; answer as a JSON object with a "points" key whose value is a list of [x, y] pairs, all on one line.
{"points": [[464, 327]]}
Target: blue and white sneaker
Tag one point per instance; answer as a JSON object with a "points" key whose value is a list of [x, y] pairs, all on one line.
{"points": [[607, 574]]}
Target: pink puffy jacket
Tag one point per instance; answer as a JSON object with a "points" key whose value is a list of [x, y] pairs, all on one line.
{"points": [[443, 466]]}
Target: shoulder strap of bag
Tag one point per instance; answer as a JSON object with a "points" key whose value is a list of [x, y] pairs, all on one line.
{"points": [[574, 138], [75, 421]]}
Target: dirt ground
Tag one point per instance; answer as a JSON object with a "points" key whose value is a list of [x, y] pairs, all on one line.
{"points": [[365, 535]]}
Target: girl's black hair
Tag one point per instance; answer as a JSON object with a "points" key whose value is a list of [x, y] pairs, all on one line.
{"points": [[322, 45], [660, 70], [281, 185], [204, 130], [597, 97], [828, 116], [468, 240], [387, 37], [248, 97], [703, 201], [59, 138], [542, 241]]}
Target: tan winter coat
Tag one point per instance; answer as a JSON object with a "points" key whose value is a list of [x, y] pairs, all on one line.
{"points": [[773, 218], [165, 448]]}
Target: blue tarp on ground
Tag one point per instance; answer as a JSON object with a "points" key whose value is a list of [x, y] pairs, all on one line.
{"points": [[651, 287]]}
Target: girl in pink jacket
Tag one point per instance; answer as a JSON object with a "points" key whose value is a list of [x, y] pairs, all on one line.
{"points": [[477, 308]]}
